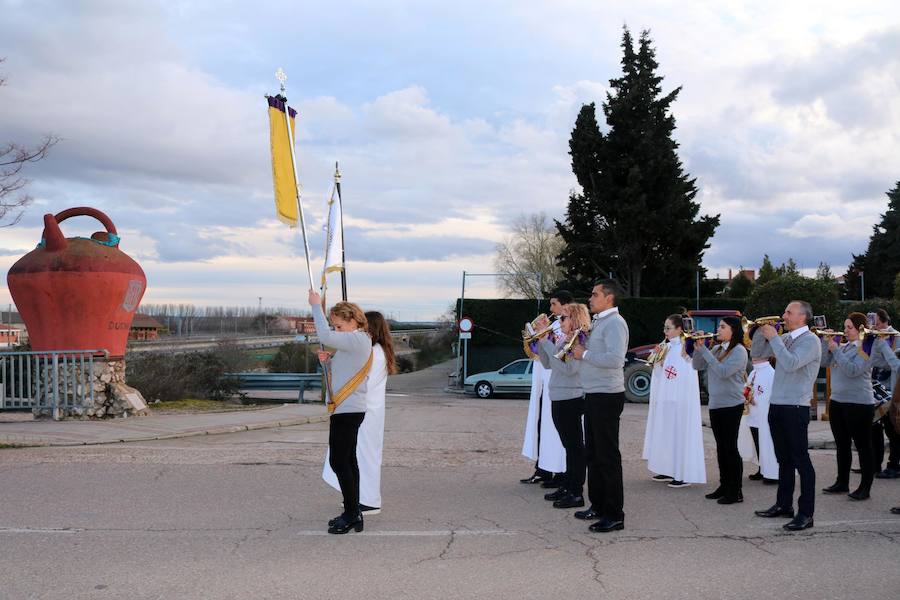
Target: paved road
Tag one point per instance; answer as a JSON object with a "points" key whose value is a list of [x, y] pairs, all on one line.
{"points": [[243, 516]]}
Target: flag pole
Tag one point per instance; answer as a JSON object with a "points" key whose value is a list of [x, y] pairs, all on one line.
{"points": [[281, 77], [337, 186]]}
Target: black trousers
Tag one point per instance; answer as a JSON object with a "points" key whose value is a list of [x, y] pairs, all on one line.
{"points": [[883, 427], [725, 423], [342, 433], [604, 462], [788, 424], [567, 419], [853, 422]]}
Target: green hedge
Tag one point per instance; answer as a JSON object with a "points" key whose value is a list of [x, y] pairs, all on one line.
{"points": [[497, 337]]}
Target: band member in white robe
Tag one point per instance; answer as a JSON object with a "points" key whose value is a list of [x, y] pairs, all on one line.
{"points": [[754, 438], [673, 443], [370, 439], [542, 443]]}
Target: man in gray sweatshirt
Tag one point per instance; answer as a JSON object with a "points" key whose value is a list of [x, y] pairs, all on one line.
{"points": [[603, 381], [797, 355]]}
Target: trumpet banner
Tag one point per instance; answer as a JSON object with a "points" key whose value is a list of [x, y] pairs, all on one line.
{"points": [[283, 174]]}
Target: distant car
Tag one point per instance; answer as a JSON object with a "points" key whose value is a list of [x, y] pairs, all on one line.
{"points": [[514, 378]]}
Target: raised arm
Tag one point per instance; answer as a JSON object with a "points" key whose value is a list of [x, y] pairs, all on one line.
{"points": [[698, 361], [797, 357], [349, 341], [827, 359], [545, 353], [735, 362], [568, 367], [883, 356]]}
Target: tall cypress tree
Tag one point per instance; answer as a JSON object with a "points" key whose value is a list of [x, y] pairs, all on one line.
{"points": [[635, 218], [881, 262]]}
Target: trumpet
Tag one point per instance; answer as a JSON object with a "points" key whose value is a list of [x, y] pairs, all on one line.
{"points": [[750, 326], [691, 340], [531, 335], [579, 338]]}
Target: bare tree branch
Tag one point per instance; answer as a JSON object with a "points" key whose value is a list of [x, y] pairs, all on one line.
{"points": [[531, 249]]}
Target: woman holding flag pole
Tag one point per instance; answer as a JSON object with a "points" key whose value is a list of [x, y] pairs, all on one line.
{"points": [[345, 372]]}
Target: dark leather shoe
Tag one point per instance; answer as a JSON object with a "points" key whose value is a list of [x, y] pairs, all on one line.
{"points": [[855, 470], [715, 495], [570, 501], [343, 524], [587, 515], [776, 511], [605, 525], [768, 481], [799, 523], [888, 474], [553, 482], [756, 476], [836, 488], [536, 478], [731, 499], [557, 495], [895, 510], [859, 494]]}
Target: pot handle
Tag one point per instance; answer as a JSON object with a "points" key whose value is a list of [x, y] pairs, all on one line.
{"points": [[112, 236]]}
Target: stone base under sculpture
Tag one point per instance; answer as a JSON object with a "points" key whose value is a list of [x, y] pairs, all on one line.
{"points": [[111, 398]]}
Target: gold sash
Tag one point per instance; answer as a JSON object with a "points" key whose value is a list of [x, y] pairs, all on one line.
{"points": [[334, 400]]}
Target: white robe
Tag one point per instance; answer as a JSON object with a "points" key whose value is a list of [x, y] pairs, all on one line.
{"points": [[673, 442], [761, 379], [551, 456], [370, 439]]}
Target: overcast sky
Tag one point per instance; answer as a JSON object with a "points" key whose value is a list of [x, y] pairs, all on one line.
{"points": [[448, 119]]}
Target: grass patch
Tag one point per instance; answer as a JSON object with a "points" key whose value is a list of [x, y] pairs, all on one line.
{"points": [[5, 446], [198, 405]]}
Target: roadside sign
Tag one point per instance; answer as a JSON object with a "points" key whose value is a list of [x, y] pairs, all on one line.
{"points": [[465, 325], [465, 335]]}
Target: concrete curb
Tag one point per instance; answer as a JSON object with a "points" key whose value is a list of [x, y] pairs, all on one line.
{"points": [[25, 441]]}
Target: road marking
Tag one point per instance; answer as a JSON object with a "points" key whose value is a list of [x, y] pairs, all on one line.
{"points": [[431, 533], [38, 530], [398, 395]]}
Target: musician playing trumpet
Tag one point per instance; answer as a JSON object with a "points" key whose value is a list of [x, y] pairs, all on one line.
{"points": [[726, 368], [885, 358], [567, 400], [852, 404]]}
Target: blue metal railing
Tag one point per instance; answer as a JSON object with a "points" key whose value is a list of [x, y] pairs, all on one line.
{"points": [[51, 381]]}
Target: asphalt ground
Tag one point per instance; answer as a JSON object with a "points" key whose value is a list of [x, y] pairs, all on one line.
{"points": [[243, 515]]}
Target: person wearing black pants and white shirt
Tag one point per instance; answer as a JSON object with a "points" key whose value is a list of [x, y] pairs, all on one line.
{"points": [[603, 380], [726, 373], [852, 407], [567, 399], [797, 354], [347, 372]]}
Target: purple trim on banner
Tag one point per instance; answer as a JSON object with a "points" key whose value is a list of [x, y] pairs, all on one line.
{"points": [[278, 102]]}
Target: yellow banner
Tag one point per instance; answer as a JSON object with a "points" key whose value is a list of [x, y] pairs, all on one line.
{"points": [[282, 165]]}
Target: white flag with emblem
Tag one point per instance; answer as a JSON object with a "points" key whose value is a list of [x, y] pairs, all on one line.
{"points": [[334, 242]]}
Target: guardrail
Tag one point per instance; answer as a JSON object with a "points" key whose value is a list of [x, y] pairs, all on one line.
{"points": [[279, 381], [55, 380]]}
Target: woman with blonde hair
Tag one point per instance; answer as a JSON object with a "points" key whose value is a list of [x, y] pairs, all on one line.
{"points": [[567, 401], [346, 373], [370, 439]]}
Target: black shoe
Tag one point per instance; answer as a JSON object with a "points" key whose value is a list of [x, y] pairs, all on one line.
{"points": [[605, 525], [799, 523], [715, 495], [756, 476], [678, 484], [768, 481], [344, 524], [836, 488], [557, 495], [570, 501], [895, 510], [855, 470], [859, 494], [888, 474], [662, 478], [369, 510], [587, 515], [776, 511], [731, 499], [334, 520], [536, 478]]}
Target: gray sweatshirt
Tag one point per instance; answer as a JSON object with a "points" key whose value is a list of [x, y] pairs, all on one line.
{"points": [[725, 379], [759, 347], [564, 382], [796, 367], [851, 374], [885, 358], [353, 350], [601, 371]]}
